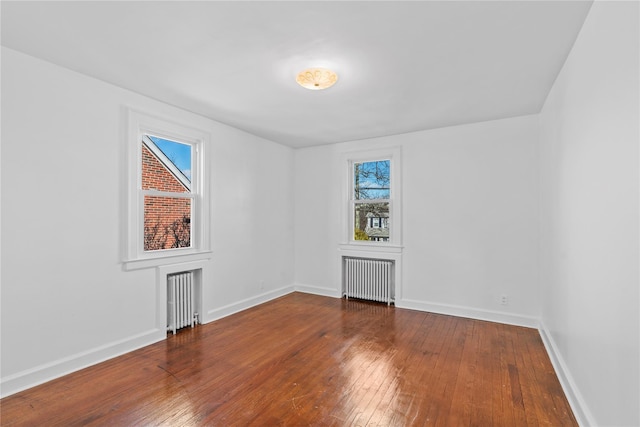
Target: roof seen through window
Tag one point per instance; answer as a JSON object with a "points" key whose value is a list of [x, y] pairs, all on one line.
{"points": [[179, 154]]}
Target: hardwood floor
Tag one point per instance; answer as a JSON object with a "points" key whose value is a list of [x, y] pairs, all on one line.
{"points": [[310, 360]]}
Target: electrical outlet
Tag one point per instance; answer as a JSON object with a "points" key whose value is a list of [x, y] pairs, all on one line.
{"points": [[504, 300], [261, 285]]}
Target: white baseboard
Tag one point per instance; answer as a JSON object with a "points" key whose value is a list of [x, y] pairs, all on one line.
{"points": [[576, 401], [32, 377], [452, 310], [227, 310], [318, 290], [578, 405], [40, 374], [471, 313], [58, 368]]}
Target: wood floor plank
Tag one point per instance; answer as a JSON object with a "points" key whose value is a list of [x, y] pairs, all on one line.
{"points": [[501, 379], [447, 371], [404, 359], [311, 360], [418, 373]]}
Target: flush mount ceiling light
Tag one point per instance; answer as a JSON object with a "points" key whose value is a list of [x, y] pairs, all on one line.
{"points": [[316, 78]]}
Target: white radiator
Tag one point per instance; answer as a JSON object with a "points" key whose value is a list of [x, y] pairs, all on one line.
{"points": [[180, 301], [368, 279]]}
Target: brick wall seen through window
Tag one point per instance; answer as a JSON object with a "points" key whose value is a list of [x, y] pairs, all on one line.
{"points": [[167, 216]]}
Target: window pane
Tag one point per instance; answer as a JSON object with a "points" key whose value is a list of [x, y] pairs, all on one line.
{"points": [[166, 165], [371, 180], [371, 221], [167, 223]]}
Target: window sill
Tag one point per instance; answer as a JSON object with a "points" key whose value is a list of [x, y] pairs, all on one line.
{"points": [[370, 247], [139, 264]]}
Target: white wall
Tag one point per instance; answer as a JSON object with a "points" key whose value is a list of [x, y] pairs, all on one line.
{"points": [[472, 230], [470, 218], [66, 301], [589, 217]]}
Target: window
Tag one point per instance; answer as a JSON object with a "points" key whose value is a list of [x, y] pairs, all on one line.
{"points": [[167, 209], [374, 198], [371, 198], [166, 189]]}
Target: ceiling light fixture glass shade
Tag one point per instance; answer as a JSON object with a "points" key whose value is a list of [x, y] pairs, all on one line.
{"points": [[316, 78]]}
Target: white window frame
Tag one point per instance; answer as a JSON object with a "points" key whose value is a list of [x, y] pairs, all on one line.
{"points": [[395, 198], [135, 257]]}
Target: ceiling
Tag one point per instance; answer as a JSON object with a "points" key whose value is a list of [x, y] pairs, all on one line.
{"points": [[402, 66]]}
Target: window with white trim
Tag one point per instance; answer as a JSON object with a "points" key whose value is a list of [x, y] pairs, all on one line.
{"points": [[374, 198], [167, 209]]}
